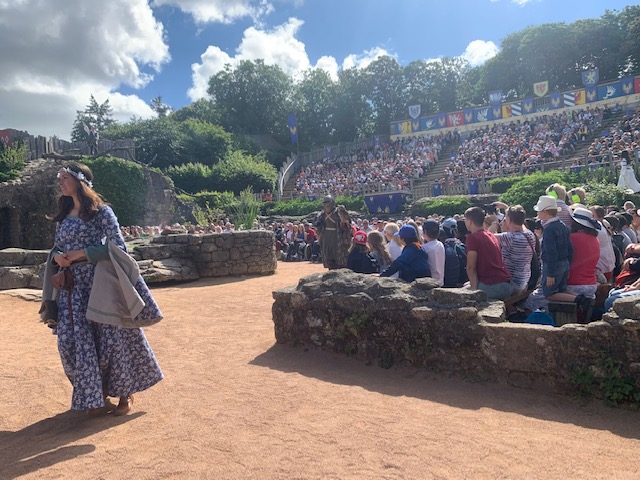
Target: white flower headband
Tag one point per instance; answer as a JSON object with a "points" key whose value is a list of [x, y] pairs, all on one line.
{"points": [[78, 175]]}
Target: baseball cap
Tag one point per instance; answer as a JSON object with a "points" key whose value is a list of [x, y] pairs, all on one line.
{"points": [[360, 237]]}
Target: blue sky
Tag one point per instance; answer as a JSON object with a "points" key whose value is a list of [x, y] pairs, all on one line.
{"points": [[131, 51]]}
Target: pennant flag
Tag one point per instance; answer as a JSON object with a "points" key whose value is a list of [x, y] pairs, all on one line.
{"points": [[590, 78], [405, 128], [428, 123], [627, 85], [580, 97], [569, 99], [527, 106], [506, 110], [497, 113], [415, 126], [540, 89], [442, 120], [636, 84], [592, 94], [468, 116], [610, 90], [455, 119], [414, 111], [292, 123], [495, 97], [516, 109], [482, 114], [556, 100]]}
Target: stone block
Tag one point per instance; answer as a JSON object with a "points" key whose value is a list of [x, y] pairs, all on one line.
{"points": [[628, 307], [458, 296]]}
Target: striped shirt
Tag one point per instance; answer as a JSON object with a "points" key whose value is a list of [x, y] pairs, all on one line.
{"points": [[517, 251]]}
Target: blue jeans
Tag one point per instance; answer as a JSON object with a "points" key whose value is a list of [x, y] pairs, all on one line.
{"points": [[617, 293]]}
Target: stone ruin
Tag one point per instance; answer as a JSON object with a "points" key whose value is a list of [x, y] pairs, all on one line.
{"points": [[456, 331], [25, 202], [167, 258]]}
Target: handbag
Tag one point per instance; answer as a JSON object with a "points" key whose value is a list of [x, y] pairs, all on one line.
{"points": [[63, 280]]}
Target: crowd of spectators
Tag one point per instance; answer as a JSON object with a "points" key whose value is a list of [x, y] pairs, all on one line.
{"points": [[522, 146], [621, 141], [389, 166]]}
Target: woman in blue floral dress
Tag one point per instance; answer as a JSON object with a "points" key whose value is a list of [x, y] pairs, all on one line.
{"points": [[100, 360]]}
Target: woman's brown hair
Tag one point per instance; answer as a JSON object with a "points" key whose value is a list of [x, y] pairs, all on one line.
{"points": [[90, 201]]}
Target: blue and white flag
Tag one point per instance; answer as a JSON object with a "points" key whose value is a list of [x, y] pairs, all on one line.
{"points": [[292, 123], [495, 97], [569, 99], [556, 100], [590, 78], [516, 109], [414, 111], [527, 106]]}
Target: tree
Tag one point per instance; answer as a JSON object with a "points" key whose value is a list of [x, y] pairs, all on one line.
{"points": [[202, 109], [384, 89], [252, 98], [203, 142], [353, 113], [96, 115], [158, 106], [314, 102]]}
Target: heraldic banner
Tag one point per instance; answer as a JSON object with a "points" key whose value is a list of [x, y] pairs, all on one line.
{"points": [[540, 89]]}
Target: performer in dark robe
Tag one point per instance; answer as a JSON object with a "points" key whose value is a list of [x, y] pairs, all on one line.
{"points": [[334, 229]]}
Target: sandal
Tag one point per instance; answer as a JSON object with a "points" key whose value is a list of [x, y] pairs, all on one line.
{"points": [[124, 407]]}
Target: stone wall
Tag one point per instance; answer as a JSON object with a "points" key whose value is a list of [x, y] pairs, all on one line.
{"points": [[215, 254], [389, 322], [168, 258]]}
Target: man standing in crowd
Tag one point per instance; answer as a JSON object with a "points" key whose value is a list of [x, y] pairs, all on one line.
{"points": [[607, 261], [334, 231], [485, 266]]}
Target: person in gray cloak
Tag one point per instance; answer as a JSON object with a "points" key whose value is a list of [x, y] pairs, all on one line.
{"points": [[334, 230]]}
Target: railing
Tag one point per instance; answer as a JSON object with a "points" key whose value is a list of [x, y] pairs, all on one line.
{"points": [[462, 186]]}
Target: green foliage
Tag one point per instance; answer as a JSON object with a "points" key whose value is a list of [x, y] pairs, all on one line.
{"points": [[240, 170], [245, 211], [221, 200], [526, 191], [12, 160], [502, 184], [607, 380], [203, 142], [605, 194], [191, 177], [122, 184], [302, 206], [205, 215], [446, 206], [98, 115]]}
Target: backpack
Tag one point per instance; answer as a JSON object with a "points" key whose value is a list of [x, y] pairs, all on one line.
{"points": [[455, 263]]}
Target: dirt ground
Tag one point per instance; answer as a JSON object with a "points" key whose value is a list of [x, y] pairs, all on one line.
{"points": [[235, 405]]}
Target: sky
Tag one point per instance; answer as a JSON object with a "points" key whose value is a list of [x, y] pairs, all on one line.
{"points": [[55, 53]]}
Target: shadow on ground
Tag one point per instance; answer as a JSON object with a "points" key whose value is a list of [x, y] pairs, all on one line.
{"points": [[46, 443], [455, 392]]}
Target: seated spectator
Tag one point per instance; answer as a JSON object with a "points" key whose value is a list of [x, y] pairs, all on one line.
{"points": [[359, 259], [556, 256], [434, 250], [607, 260], [376, 244], [394, 244], [518, 247], [485, 266], [455, 255], [559, 193], [413, 262]]}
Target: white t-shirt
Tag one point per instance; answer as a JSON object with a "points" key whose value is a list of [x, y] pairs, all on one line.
{"points": [[435, 252], [394, 249], [607, 260]]}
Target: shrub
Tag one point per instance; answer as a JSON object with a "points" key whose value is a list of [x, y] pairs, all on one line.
{"points": [[191, 177], [240, 170], [297, 206], [245, 211], [446, 206], [501, 185], [122, 184], [527, 190], [12, 160], [203, 142], [608, 194]]}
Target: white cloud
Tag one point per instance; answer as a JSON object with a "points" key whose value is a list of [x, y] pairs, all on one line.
{"points": [[55, 54], [220, 11], [276, 47], [479, 51]]}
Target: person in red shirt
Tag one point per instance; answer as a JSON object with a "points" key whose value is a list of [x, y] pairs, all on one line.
{"points": [[586, 253], [485, 266]]}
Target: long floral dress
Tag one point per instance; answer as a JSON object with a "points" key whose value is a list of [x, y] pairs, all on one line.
{"points": [[99, 359]]}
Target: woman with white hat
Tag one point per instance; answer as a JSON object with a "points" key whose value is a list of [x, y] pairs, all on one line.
{"points": [[586, 253]]}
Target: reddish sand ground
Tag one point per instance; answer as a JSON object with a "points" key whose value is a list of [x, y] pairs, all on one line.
{"points": [[234, 405]]}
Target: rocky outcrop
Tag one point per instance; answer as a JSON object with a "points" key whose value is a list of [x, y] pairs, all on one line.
{"points": [[389, 322]]}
